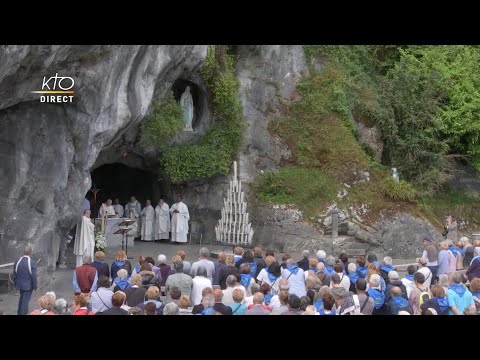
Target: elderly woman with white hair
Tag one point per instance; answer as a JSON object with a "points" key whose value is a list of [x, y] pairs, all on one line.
{"points": [[121, 281], [321, 255], [208, 301], [61, 307], [171, 309], [303, 264], [353, 276], [162, 270], [200, 282], [376, 294], [329, 264], [386, 267]]}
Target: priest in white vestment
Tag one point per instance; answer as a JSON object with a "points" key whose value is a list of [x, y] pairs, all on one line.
{"points": [[118, 208], [107, 209], [162, 220], [179, 222], [132, 211], [148, 218], [84, 238]]}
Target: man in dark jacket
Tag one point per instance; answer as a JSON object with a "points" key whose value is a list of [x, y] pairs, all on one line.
{"points": [[303, 264], [397, 302], [219, 306], [25, 279], [473, 270], [85, 277], [136, 293], [117, 301]]}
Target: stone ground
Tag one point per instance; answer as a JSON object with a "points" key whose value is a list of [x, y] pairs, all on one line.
{"points": [[62, 283]]}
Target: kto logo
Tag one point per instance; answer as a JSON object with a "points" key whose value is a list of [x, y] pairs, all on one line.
{"points": [[60, 85]]}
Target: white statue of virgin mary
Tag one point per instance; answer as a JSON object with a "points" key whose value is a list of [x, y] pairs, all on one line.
{"points": [[186, 102]]}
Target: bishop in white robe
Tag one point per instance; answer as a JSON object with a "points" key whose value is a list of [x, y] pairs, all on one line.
{"points": [[179, 222], [107, 209], [133, 210], [84, 238], [162, 221], [148, 218]]}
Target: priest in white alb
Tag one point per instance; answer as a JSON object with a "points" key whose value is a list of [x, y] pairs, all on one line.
{"points": [[107, 209], [148, 218], [132, 211], [84, 238], [162, 220], [118, 208], [179, 222]]}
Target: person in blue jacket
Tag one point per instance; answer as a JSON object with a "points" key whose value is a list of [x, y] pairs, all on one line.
{"points": [[25, 279]]}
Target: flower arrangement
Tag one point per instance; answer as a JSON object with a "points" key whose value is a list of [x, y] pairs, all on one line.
{"points": [[100, 241]]}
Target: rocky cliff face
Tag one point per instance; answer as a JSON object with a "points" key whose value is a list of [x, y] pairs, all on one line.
{"points": [[48, 150], [268, 75]]}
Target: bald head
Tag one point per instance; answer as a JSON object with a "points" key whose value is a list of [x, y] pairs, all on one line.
{"points": [[258, 298], [284, 285], [289, 262], [320, 267], [218, 294], [396, 291]]}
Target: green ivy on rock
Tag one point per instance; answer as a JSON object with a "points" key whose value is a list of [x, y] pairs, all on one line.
{"points": [[165, 121], [214, 153]]}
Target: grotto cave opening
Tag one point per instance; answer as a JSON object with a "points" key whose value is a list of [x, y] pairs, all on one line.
{"points": [[122, 181]]}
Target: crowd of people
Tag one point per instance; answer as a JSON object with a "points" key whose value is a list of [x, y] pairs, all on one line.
{"points": [[256, 282]]}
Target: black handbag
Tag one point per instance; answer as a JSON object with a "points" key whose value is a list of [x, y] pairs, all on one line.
{"points": [[445, 232]]}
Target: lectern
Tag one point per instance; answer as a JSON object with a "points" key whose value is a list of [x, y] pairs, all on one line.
{"points": [[124, 230]]}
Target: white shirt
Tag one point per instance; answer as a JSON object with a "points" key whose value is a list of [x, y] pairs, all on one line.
{"points": [[248, 300], [428, 276], [409, 285], [101, 299], [263, 276], [228, 294], [275, 302], [345, 282], [207, 264], [296, 282], [199, 283]]}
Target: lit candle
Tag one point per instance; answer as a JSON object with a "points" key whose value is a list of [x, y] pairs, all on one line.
{"points": [[235, 170]]}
